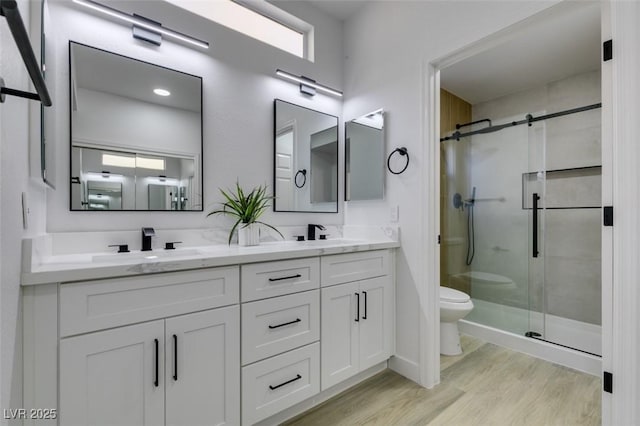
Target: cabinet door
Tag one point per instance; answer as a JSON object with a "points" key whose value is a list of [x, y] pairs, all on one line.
{"points": [[203, 381], [113, 377], [339, 333], [376, 321]]}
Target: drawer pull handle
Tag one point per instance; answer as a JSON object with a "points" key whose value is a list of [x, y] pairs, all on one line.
{"points": [[286, 323], [156, 382], [285, 278], [175, 357], [357, 307], [298, 377]]}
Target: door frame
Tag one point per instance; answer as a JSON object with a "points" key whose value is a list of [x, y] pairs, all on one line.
{"points": [[430, 216]]}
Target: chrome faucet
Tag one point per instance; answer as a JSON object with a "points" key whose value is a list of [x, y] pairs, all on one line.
{"points": [[147, 233], [311, 231]]}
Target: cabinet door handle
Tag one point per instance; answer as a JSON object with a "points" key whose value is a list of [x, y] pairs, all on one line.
{"points": [[156, 382], [286, 323], [285, 278], [298, 377], [364, 317], [357, 307], [175, 357]]}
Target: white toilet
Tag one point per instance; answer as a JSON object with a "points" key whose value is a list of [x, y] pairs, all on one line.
{"points": [[454, 305]]}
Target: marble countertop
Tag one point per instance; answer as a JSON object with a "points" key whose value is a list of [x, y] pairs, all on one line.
{"points": [[89, 266]]}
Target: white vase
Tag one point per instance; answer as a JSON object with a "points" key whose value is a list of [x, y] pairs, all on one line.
{"points": [[249, 235]]}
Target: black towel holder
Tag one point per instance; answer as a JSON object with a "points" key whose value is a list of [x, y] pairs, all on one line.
{"points": [[403, 152], [9, 9], [302, 172]]}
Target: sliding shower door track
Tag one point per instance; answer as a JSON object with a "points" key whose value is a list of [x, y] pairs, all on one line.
{"points": [[537, 336]]}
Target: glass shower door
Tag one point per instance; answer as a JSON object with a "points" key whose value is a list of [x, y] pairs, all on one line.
{"points": [[564, 225], [534, 199], [498, 273]]}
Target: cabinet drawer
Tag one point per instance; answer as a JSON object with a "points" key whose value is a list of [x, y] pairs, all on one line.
{"points": [[269, 279], [343, 268], [280, 382], [96, 305], [276, 325]]}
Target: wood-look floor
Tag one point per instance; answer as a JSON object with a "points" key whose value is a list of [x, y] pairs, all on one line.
{"points": [[487, 385]]}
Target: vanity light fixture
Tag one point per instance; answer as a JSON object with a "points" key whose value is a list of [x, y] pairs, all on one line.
{"points": [[142, 24], [161, 92], [307, 85], [103, 175]]}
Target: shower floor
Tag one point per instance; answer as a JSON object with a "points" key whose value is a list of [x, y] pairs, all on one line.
{"points": [[573, 334]]}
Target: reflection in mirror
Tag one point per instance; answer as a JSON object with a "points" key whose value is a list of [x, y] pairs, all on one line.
{"points": [[104, 195], [136, 134], [140, 178], [163, 197], [364, 157], [306, 159]]}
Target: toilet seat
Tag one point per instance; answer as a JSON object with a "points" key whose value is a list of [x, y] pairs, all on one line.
{"points": [[453, 296]]}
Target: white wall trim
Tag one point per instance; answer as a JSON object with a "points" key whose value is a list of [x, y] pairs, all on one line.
{"points": [[405, 367], [607, 200], [625, 129], [429, 278]]}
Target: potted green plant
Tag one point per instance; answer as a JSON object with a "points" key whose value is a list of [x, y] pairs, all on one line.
{"points": [[247, 209]]}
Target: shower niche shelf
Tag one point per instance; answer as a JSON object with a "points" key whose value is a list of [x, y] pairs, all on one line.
{"points": [[571, 188]]}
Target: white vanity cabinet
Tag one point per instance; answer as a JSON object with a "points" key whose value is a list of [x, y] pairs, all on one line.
{"points": [[179, 370], [357, 300], [109, 377], [280, 348], [251, 338], [186, 367]]}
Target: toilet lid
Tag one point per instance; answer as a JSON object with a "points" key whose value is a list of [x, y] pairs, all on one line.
{"points": [[450, 295]]}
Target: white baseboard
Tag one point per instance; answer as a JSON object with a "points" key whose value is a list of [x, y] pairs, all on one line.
{"points": [[577, 360], [405, 367], [322, 396]]}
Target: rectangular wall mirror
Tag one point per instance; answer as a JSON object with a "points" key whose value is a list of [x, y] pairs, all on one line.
{"points": [[364, 157], [136, 134], [305, 159]]}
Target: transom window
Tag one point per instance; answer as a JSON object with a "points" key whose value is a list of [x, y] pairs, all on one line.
{"points": [[259, 20]]}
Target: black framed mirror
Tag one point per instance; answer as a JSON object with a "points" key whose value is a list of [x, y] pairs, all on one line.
{"points": [[305, 159], [136, 134]]}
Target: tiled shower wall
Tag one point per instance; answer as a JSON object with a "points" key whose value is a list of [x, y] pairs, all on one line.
{"points": [[565, 279]]}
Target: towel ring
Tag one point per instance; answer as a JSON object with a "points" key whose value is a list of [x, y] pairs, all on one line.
{"points": [[302, 172], [402, 151]]}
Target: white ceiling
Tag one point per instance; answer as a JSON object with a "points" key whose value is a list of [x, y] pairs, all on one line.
{"points": [[563, 44], [110, 73], [340, 9]]}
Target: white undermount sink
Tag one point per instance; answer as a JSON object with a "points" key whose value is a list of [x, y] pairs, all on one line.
{"points": [[145, 255]]}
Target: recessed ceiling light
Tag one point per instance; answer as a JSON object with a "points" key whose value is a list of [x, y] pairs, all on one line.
{"points": [[161, 92]]}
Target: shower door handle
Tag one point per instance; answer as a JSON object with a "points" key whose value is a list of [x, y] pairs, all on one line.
{"points": [[536, 197]]}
